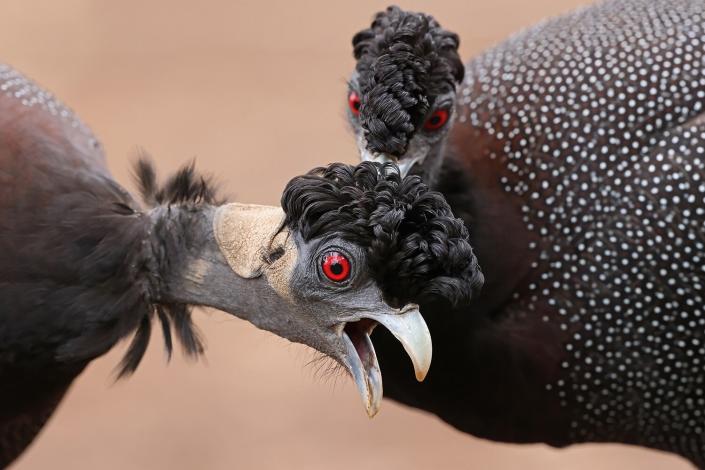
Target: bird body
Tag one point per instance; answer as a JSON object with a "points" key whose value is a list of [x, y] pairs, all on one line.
{"points": [[52, 178], [576, 156], [83, 265]]}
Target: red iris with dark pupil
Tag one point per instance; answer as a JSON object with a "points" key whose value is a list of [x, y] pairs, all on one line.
{"points": [[336, 266], [354, 103], [437, 120]]}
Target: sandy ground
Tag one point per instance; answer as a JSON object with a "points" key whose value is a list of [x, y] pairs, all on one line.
{"points": [[256, 92]]}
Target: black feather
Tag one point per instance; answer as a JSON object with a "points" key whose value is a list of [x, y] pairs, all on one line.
{"points": [[147, 179], [137, 348], [166, 330]]}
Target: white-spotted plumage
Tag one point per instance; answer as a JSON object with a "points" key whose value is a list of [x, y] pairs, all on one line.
{"points": [[598, 125], [16, 85]]}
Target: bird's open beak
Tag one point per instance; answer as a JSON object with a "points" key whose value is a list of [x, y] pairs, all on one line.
{"points": [[408, 326]]}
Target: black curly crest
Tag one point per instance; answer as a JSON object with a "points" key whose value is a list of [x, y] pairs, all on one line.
{"points": [[417, 250], [404, 60]]}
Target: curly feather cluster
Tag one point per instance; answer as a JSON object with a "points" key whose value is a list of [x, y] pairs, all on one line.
{"points": [[404, 60], [417, 250]]}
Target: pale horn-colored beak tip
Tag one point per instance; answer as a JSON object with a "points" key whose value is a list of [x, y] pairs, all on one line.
{"points": [[412, 332]]}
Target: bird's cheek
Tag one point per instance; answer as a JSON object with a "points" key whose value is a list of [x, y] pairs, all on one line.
{"points": [[243, 233], [280, 272]]}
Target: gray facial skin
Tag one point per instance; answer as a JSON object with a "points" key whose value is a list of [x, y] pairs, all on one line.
{"points": [[244, 262], [424, 153]]}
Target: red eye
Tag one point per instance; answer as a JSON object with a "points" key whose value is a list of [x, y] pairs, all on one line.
{"points": [[437, 120], [336, 266], [354, 103]]}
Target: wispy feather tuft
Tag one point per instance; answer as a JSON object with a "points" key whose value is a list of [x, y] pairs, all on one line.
{"points": [[185, 187]]}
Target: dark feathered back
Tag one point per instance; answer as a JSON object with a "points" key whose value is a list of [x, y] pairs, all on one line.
{"points": [[79, 259], [404, 60], [73, 271], [417, 250]]}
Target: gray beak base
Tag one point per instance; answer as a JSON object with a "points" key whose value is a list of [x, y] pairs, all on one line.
{"points": [[408, 326]]}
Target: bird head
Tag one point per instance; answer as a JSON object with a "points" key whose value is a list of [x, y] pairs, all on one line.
{"points": [[402, 93], [351, 248]]}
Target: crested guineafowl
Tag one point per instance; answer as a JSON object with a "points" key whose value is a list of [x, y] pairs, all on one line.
{"points": [[575, 153], [82, 265]]}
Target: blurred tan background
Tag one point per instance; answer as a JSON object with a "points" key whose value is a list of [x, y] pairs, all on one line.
{"points": [[255, 91]]}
